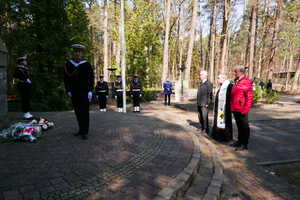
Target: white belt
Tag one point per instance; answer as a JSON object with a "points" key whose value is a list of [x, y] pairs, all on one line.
{"points": [[120, 90], [101, 90], [136, 90]]}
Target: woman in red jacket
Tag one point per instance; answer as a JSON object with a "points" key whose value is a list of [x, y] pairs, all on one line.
{"points": [[241, 102]]}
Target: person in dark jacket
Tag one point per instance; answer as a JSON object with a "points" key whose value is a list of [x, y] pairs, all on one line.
{"points": [[168, 91], [79, 84], [101, 91], [119, 93], [204, 97], [24, 86], [222, 122], [136, 91], [241, 102]]}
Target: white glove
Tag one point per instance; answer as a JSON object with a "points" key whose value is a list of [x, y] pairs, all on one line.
{"points": [[131, 95], [90, 94], [106, 96], [115, 96], [97, 96], [140, 95], [28, 81], [69, 94]]}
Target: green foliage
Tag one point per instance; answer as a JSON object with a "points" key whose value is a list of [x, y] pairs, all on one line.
{"points": [[148, 95], [44, 32], [271, 96], [257, 93]]}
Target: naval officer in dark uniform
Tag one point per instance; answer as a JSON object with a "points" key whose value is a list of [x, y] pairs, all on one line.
{"points": [[79, 84], [119, 93], [136, 90], [24, 86], [101, 91]]}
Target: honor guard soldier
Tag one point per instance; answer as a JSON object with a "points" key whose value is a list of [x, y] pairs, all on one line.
{"points": [[24, 86], [119, 93], [101, 91], [136, 93], [79, 84]]}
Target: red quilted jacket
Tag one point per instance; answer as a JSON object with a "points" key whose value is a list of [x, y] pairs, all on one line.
{"points": [[242, 96]]}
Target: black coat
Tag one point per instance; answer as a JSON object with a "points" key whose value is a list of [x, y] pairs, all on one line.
{"points": [[204, 94]]}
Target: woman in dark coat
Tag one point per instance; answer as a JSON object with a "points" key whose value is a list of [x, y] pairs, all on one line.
{"points": [[222, 124]]}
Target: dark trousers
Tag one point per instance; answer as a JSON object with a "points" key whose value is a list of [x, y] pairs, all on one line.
{"points": [[25, 91], [243, 127], [203, 118], [119, 101], [167, 95], [81, 105], [102, 101], [136, 100]]}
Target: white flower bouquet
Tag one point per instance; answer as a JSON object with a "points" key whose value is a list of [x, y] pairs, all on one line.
{"points": [[22, 131], [43, 123]]}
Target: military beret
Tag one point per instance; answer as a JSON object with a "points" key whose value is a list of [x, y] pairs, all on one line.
{"points": [[78, 46]]}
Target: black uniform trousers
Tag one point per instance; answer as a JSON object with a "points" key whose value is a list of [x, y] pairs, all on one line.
{"points": [[203, 118], [120, 101], [243, 127], [25, 91], [81, 105], [136, 99], [102, 100]]}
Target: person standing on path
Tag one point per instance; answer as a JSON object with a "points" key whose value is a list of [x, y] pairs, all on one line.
{"points": [[241, 102], [222, 122], [79, 84], [136, 91], [168, 91], [204, 98], [24, 86], [101, 91], [119, 93]]}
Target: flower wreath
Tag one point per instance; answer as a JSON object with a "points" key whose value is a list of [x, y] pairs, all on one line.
{"points": [[42, 122]]}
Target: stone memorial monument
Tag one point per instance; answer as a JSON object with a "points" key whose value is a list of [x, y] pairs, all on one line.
{"points": [[3, 86]]}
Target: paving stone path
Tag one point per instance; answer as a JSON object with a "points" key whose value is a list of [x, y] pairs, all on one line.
{"points": [[155, 154]]}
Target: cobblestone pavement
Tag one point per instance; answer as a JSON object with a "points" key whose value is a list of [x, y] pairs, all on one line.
{"points": [[155, 154]]}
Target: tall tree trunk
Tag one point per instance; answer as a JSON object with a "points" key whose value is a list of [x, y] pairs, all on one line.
{"points": [[264, 40], [178, 38], [274, 42], [212, 53], [252, 38], [201, 43], [105, 30], [166, 46], [296, 77], [191, 45], [224, 37]]}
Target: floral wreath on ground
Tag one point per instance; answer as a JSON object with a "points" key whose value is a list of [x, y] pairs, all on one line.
{"points": [[45, 125]]}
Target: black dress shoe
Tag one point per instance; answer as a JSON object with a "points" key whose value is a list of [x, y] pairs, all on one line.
{"points": [[241, 148], [85, 136], [76, 134], [236, 144]]}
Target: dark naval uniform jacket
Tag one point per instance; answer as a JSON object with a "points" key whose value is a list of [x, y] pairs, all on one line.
{"points": [[136, 88], [22, 73], [78, 77], [101, 89], [118, 89]]}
